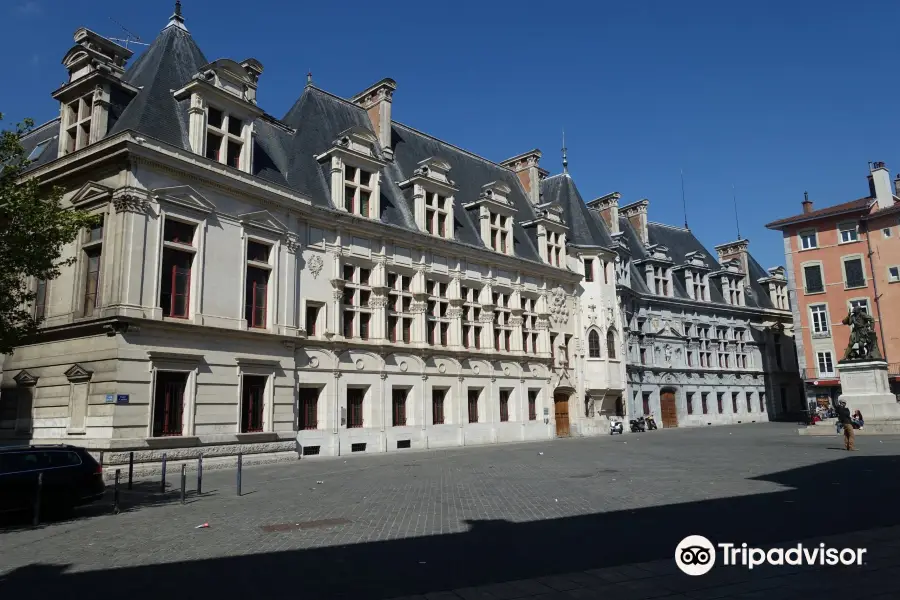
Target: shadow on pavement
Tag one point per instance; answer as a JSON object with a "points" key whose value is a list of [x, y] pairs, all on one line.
{"points": [[864, 488]]}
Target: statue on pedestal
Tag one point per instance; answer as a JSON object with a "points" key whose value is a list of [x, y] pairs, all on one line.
{"points": [[863, 342]]}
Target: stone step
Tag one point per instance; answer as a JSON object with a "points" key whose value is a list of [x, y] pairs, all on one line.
{"points": [[871, 428]]}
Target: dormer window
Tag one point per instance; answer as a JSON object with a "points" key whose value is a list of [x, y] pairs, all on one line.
{"points": [[700, 287], [437, 213], [224, 138], [732, 291], [357, 191], [500, 233], [555, 249], [661, 281], [77, 123]]}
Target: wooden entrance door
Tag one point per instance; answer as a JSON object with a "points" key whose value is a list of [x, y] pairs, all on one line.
{"points": [[561, 408], [668, 409]]}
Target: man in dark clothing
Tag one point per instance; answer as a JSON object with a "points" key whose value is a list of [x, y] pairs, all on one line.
{"points": [[847, 422]]}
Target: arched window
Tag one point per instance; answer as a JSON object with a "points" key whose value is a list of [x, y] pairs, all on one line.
{"points": [[594, 344], [610, 344]]}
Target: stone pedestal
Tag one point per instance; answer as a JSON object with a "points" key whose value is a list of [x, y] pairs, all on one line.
{"points": [[865, 387]]}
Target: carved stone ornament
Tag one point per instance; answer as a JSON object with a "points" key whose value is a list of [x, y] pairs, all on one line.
{"points": [[360, 364], [442, 368], [377, 301], [418, 307], [130, 203], [24, 379], [313, 362], [292, 244], [403, 366], [559, 310], [315, 264], [76, 373]]}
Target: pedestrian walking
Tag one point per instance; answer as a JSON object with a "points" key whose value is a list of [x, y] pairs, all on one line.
{"points": [[847, 422]]}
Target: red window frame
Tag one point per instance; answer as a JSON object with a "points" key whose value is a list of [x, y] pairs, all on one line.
{"points": [[253, 393], [308, 409], [407, 330], [355, 398], [168, 410], [437, 406], [171, 271], [257, 297], [473, 406], [504, 406], [398, 407]]}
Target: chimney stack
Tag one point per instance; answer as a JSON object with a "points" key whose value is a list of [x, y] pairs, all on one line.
{"points": [[525, 166], [636, 213], [807, 203], [608, 208], [376, 100], [897, 185], [880, 185]]}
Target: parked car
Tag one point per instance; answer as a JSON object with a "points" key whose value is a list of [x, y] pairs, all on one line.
{"points": [[71, 477]]}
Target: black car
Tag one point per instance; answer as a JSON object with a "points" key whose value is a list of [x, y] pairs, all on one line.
{"points": [[70, 477]]}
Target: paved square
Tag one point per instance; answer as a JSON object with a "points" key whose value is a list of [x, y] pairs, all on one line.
{"points": [[579, 518]]}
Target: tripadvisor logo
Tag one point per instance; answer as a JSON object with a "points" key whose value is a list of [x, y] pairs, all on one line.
{"points": [[696, 555]]}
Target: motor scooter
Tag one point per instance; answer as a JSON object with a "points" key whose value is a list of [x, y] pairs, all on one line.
{"points": [[616, 427], [638, 425], [651, 423]]}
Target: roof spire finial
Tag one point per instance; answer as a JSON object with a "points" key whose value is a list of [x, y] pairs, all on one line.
{"points": [[177, 19], [564, 152], [309, 77]]}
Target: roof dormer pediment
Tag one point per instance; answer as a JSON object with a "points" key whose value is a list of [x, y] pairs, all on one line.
{"points": [[432, 170], [356, 142], [495, 196], [549, 214]]}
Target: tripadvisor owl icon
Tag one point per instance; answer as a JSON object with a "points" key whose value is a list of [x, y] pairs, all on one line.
{"points": [[695, 555]]}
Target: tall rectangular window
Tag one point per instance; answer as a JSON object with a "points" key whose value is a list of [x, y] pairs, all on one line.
{"points": [[253, 392], [812, 279], [720, 402], [356, 310], [258, 271], [437, 213], [224, 138], [690, 403], [93, 253], [168, 403], [355, 407], [473, 405], [500, 232], [819, 314], [854, 274], [734, 402], [645, 403], [826, 365], [555, 248], [312, 319], [40, 298], [762, 402], [504, 405], [308, 410], [398, 406], [177, 261], [589, 270], [704, 402], [532, 405], [78, 123], [358, 187], [437, 406], [502, 317], [399, 308]]}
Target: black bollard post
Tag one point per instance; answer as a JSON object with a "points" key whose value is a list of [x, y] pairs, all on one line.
{"points": [[37, 499], [130, 468], [200, 475], [162, 483], [183, 480], [116, 494], [240, 465], [101, 459]]}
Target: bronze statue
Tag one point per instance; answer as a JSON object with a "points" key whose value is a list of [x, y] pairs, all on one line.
{"points": [[863, 342]]}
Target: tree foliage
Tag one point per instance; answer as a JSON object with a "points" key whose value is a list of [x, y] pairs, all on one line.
{"points": [[34, 231]]}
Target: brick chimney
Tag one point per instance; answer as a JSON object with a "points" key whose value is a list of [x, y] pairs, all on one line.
{"points": [[807, 203], [377, 101], [636, 213], [736, 250], [880, 185], [608, 208], [525, 166]]}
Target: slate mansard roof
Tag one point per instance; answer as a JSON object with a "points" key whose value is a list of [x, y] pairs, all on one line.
{"points": [[285, 150]]}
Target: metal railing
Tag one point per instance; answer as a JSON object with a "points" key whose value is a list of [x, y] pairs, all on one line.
{"points": [[812, 374]]}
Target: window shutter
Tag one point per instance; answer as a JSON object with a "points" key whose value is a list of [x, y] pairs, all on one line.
{"points": [[813, 276], [854, 271]]}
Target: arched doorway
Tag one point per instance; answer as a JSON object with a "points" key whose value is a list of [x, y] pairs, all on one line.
{"points": [[561, 411], [668, 408]]}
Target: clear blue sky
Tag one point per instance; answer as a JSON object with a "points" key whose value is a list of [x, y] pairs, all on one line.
{"points": [[773, 97]]}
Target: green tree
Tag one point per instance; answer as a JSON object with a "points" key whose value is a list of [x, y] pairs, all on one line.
{"points": [[34, 230]]}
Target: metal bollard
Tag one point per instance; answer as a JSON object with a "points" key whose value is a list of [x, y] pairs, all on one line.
{"points": [[101, 459], [183, 481], [162, 483], [240, 465], [37, 499], [130, 469], [116, 493], [200, 475]]}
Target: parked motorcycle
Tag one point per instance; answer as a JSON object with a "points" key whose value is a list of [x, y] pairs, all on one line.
{"points": [[616, 427], [651, 423], [638, 425]]}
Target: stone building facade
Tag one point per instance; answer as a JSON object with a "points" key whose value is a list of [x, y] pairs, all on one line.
{"points": [[332, 281]]}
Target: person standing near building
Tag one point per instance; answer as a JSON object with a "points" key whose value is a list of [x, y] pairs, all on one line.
{"points": [[847, 422]]}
